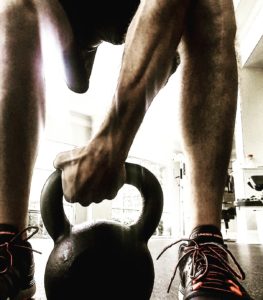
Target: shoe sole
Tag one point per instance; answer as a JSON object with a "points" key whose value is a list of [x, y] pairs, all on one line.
{"points": [[25, 294]]}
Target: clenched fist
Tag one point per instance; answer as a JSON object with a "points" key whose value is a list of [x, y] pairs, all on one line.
{"points": [[92, 173]]}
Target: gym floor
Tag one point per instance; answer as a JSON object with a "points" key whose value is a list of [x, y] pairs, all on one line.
{"points": [[249, 257]]}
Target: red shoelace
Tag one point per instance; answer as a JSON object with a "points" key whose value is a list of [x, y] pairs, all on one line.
{"points": [[6, 258], [210, 266]]}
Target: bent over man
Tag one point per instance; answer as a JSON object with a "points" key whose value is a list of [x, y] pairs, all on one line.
{"points": [[151, 30]]}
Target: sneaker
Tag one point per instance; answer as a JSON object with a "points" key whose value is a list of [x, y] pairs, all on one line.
{"points": [[208, 270], [16, 264]]}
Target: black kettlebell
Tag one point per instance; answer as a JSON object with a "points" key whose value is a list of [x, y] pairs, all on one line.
{"points": [[101, 260]]}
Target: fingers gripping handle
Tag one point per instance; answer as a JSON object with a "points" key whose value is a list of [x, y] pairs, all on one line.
{"points": [[57, 224]]}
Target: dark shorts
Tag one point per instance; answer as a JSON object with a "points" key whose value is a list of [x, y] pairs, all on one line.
{"points": [[99, 20]]}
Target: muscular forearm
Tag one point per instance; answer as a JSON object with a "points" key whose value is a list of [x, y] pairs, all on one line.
{"points": [[148, 61]]}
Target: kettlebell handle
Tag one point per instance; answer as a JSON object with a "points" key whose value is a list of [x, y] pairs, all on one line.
{"points": [[152, 196], [58, 225]]}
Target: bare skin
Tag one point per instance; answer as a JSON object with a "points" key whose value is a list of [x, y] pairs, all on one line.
{"points": [[21, 108], [22, 98], [150, 47], [209, 96], [143, 73], [96, 172], [208, 103]]}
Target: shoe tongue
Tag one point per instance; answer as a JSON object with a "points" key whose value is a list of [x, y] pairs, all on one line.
{"points": [[7, 232], [207, 234]]}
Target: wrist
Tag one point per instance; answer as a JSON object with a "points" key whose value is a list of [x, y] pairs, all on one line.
{"points": [[115, 141]]}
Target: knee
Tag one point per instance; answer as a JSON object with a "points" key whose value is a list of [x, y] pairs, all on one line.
{"points": [[19, 19], [223, 28], [212, 24], [18, 8]]}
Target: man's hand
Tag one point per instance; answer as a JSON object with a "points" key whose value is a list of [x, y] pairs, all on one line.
{"points": [[92, 173]]}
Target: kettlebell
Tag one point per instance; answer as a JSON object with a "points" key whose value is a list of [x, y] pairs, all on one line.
{"points": [[103, 259]]}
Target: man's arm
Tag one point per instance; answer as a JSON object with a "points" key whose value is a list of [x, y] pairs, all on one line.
{"points": [[148, 62], [96, 172]]}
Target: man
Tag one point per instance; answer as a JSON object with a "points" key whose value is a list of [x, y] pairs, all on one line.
{"points": [[155, 28]]}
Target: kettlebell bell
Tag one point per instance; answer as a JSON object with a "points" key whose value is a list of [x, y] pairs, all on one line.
{"points": [[103, 259]]}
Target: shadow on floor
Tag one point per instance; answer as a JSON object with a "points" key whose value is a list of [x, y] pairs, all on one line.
{"points": [[249, 256]]}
